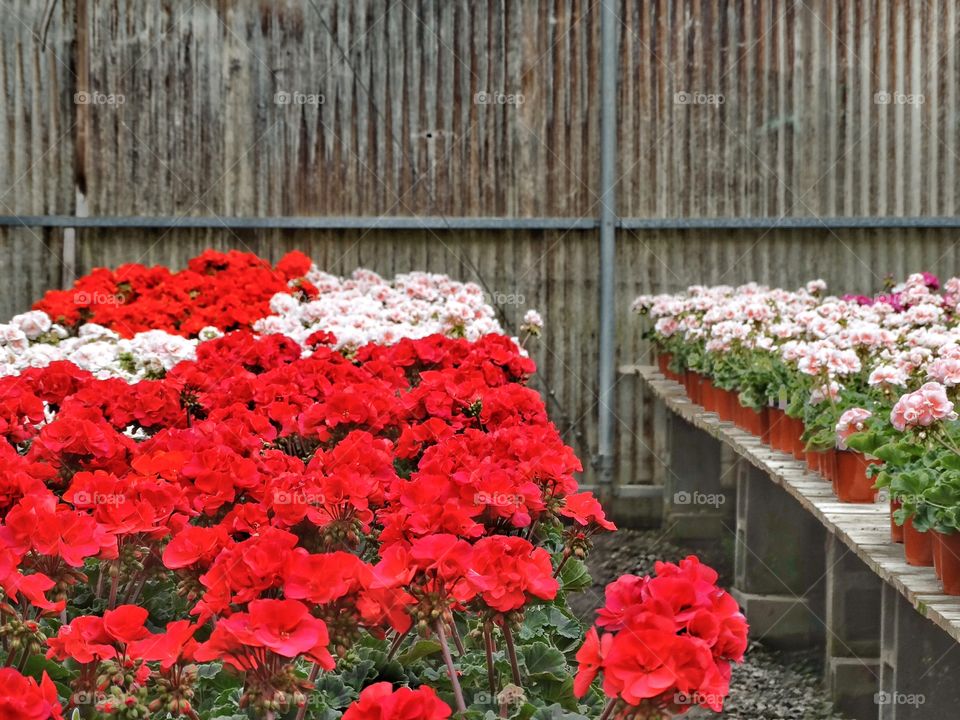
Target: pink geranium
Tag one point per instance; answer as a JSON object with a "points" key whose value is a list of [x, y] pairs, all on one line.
{"points": [[923, 407], [852, 421], [945, 370]]}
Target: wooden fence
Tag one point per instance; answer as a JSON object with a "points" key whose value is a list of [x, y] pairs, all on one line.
{"points": [[457, 108]]}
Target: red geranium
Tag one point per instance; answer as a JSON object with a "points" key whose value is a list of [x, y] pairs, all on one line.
{"points": [[381, 702], [668, 641], [23, 698]]}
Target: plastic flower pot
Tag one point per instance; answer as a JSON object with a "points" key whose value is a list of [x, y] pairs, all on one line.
{"points": [[726, 405], [663, 364], [691, 381], [896, 531], [796, 436], [736, 409], [751, 421], [775, 426], [936, 545], [828, 465], [852, 484], [917, 546], [950, 563], [707, 399], [765, 435]]}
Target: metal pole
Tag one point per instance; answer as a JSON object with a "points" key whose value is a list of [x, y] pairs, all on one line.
{"points": [[608, 230]]}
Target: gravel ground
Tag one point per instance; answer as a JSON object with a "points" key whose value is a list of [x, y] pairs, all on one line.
{"points": [[769, 685]]}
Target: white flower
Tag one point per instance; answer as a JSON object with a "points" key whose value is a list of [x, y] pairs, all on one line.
{"points": [[33, 324]]}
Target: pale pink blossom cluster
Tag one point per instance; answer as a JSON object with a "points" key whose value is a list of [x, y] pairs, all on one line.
{"points": [[850, 422], [894, 342], [922, 408]]}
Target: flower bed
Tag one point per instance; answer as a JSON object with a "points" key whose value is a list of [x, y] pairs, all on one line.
{"points": [[861, 388], [375, 530], [139, 322]]}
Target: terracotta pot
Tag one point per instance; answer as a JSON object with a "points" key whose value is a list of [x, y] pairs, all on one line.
{"points": [[726, 405], [950, 563], [812, 458], [852, 484], [775, 427], [708, 395], [936, 545], [736, 410], [796, 438], [896, 531], [828, 466], [752, 421], [917, 546], [697, 392], [691, 381], [764, 414], [663, 364]]}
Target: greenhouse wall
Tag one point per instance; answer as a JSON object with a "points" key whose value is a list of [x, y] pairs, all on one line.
{"points": [[725, 109]]}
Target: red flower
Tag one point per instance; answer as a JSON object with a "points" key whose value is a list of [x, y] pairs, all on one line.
{"points": [[284, 627], [170, 647], [125, 624], [381, 702], [84, 639], [37, 522], [34, 588], [321, 579], [194, 545], [505, 570], [22, 698], [590, 656], [287, 628], [584, 509], [675, 633]]}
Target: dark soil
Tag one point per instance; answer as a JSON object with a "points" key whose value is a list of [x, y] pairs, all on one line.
{"points": [[769, 685]]}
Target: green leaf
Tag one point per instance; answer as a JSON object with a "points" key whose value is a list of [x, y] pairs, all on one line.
{"points": [[865, 442], [357, 675], [892, 453], [541, 660], [574, 576], [209, 670], [556, 712], [37, 664], [420, 650]]}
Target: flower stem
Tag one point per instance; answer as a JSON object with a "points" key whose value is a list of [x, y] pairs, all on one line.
{"points": [[314, 671], [491, 671], [456, 638], [512, 652], [608, 710], [397, 642], [114, 585], [451, 670]]}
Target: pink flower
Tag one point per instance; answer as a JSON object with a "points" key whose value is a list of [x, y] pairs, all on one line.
{"points": [[887, 375], [849, 423], [945, 370], [922, 408]]}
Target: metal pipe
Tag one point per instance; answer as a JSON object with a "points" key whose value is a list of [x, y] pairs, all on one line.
{"points": [[793, 223], [608, 234], [480, 223], [303, 223]]}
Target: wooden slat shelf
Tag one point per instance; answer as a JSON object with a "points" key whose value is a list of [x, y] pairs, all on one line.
{"points": [[864, 528]]}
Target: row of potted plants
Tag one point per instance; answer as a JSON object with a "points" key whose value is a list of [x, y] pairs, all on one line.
{"points": [[862, 389], [847, 470]]}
